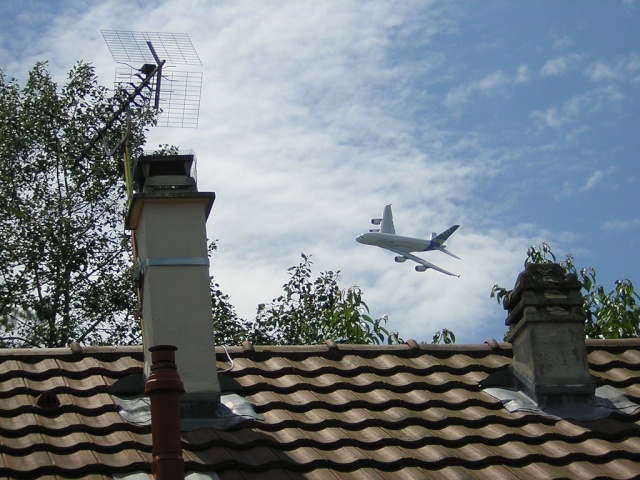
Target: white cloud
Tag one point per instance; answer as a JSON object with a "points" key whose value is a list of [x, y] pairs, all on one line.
{"points": [[558, 66], [602, 72]]}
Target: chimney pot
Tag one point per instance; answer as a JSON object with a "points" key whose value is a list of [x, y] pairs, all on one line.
{"points": [[546, 329], [164, 388]]}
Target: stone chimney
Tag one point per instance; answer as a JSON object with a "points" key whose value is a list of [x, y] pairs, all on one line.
{"points": [[168, 216], [546, 330]]}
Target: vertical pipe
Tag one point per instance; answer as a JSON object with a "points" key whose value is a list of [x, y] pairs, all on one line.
{"points": [[158, 75], [164, 388]]}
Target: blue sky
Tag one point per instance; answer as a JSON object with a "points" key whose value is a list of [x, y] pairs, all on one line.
{"points": [[517, 120]]}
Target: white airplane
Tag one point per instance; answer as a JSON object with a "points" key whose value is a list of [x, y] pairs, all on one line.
{"points": [[385, 237]]}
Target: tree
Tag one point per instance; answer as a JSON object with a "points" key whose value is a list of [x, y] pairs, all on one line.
{"points": [[308, 312], [613, 314], [65, 265]]}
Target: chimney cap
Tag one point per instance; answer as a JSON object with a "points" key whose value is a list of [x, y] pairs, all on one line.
{"points": [[139, 199], [541, 276], [543, 285], [155, 171]]}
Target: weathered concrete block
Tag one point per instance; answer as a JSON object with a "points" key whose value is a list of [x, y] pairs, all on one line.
{"points": [[546, 329]]}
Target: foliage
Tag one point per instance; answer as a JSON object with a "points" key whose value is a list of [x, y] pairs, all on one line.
{"points": [[308, 312], [65, 262], [229, 329], [613, 314], [445, 336]]}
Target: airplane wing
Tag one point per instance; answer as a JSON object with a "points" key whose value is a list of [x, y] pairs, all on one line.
{"points": [[419, 260], [386, 226]]}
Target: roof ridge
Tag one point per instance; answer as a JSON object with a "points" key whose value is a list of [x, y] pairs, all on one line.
{"points": [[8, 353]]}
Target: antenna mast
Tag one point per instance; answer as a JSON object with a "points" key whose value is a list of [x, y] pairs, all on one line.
{"points": [[179, 100]]}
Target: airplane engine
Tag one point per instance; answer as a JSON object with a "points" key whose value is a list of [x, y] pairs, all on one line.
{"points": [[421, 268], [376, 221], [401, 259]]}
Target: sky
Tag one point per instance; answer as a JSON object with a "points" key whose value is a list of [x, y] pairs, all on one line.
{"points": [[519, 121]]}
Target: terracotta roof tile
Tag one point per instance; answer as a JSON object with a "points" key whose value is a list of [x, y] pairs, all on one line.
{"points": [[328, 413]]}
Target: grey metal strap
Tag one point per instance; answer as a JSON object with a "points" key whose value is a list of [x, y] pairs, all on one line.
{"points": [[169, 262]]}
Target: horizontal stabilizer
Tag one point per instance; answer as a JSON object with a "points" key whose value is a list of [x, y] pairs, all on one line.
{"points": [[444, 250]]}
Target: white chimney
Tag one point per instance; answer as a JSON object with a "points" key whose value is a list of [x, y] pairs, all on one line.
{"points": [[169, 218]]}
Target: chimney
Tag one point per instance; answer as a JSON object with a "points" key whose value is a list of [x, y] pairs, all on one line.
{"points": [[546, 330], [164, 388], [168, 216]]}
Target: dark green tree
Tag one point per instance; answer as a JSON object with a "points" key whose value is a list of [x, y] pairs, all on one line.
{"points": [[609, 314], [65, 266], [229, 328]]}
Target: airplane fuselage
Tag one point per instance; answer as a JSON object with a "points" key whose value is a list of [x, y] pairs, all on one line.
{"points": [[383, 240]]}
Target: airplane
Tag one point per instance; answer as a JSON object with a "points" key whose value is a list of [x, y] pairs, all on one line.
{"points": [[385, 237]]}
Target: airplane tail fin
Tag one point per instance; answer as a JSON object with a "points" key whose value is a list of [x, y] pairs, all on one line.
{"points": [[438, 241], [386, 225]]}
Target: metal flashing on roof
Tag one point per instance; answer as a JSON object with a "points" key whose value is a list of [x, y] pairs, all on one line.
{"points": [[134, 409], [586, 408], [231, 411], [146, 476]]}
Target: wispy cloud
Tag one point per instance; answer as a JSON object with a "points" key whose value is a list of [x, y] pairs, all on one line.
{"points": [[599, 72], [572, 109], [596, 177], [495, 83], [593, 180], [624, 68], [621, 225], [562, 42]]}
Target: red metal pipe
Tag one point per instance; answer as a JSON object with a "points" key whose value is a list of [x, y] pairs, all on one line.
{"points": [[164, 388]]}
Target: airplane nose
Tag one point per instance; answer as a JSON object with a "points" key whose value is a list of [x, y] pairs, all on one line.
{"points": [[359, 239]]}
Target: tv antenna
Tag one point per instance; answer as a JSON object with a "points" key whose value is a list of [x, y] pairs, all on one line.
{"points": [[157, 53]]}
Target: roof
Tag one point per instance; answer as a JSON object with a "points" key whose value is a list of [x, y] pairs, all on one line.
{"points": [[328, 412]]}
